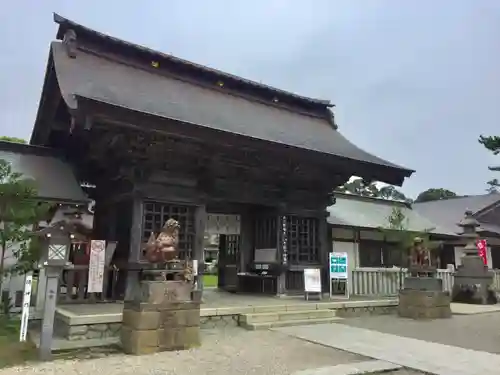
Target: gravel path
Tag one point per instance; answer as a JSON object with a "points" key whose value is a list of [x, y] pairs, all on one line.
{"points": [[233, 352], [477, 332]]}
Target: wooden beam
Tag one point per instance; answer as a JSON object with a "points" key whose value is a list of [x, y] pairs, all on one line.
{"points": [[127, 118]]}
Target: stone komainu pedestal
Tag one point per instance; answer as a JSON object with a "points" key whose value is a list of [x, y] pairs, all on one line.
{"points": [[162, 318], [423, 298]]}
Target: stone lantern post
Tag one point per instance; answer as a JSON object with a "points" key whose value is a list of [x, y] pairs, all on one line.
{"points": [[56, 243], [472, 279]]}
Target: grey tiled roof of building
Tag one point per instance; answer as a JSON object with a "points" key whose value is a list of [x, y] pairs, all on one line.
{"points": [[54, 178], [372, 213], [449, 212], [111, 82]]}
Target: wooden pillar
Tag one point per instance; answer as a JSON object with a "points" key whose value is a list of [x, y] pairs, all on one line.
{"points": [[134, 246], [325, 247], [247, 235], [200, 223]]}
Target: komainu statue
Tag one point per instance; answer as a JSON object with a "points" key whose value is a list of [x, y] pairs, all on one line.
{"points": [[163, 252], [420, 259], [164, 247]]}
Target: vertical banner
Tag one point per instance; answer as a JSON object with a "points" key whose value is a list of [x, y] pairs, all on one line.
{"points": [[96, 266], [284, 240], [25, 315], [481, 250]]}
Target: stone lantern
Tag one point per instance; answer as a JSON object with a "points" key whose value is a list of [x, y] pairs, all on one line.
{"points": [[472, 280], [56, 243]]}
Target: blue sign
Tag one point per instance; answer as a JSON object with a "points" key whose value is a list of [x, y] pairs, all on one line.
{"points": [[338, 265]]}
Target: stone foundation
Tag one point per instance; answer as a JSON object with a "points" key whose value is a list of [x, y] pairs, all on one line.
{"points": [[162, 318], [219, 321], [355, 312], [87, 331], [421, 304]]}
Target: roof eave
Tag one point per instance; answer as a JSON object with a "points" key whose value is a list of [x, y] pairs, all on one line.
{"points": [[38, 123], [393, 175]]}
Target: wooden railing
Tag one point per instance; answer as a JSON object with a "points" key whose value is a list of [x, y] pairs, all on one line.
{"points": [[74, 283], [388, 281]]}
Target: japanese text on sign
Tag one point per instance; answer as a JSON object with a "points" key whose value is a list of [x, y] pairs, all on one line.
{"points": [[338, 265]]}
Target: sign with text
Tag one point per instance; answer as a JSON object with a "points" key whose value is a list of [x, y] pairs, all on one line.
{"points": [[312, 280], [338, 265], [96, 266], [25, 315]]}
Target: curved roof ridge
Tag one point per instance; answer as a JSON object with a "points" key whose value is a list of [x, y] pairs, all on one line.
{"points": [[65, 24]]}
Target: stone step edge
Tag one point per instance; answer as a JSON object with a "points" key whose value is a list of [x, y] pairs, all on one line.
{"points": [[287, 316], [287, 323], [356, 368], [292, 312]]}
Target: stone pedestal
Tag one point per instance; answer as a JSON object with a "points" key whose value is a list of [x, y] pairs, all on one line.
{"points": [[161, 318], [424, 304], [423, 298], [472, 282], [423, 283]]}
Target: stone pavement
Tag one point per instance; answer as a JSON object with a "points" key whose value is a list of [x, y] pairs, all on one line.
{"points": [[477, 332], [468, 309], [357, 368], [408, 352]]}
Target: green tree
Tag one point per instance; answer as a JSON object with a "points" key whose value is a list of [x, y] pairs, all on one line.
{"points": [[397, 230], [435, 195], [491, 143], [360, 187], [12, 139], [493, 186], [19, 211]]}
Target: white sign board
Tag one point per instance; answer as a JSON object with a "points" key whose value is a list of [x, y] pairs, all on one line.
{"points": [[312, 280], [338, 266], [28, 281], [96, 266]]}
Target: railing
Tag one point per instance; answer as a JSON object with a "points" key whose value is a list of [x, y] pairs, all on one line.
{"points": [[74, 284], [388, 281]]}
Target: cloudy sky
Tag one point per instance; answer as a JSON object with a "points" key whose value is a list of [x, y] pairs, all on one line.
{"points": [[415, 81]]}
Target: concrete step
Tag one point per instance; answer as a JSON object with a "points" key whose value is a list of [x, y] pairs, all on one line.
{"points": [[277, 316], [287, 323]]}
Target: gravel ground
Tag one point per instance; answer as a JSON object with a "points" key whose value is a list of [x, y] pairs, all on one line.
{"points": [[478, 332], [233, 352]]}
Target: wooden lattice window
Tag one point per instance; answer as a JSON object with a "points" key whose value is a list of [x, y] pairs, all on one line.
{"points": [[156, 214], [302, 240], [266, 235], [231, 243]]}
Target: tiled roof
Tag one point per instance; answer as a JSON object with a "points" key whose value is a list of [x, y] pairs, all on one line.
{"points": [[356, 211], [93, 77], [54, 178], [449, 212]]}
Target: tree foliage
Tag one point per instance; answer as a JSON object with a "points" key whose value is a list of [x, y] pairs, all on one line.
{"points": [[398, 231], [491, 143], [493, 186], [12, 139], [434, 194], [19, 211], [359, 187]]}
